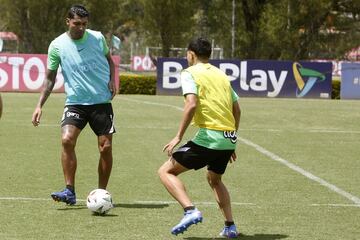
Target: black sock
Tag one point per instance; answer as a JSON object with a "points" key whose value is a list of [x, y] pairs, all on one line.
{"points": [[71, 188], [189, 208], [228, 224]]}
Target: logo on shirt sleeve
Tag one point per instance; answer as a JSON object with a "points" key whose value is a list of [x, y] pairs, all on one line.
{"points": [[231, 135]]}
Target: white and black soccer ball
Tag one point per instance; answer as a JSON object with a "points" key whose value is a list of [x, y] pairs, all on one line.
{"points": [[99, 201]]}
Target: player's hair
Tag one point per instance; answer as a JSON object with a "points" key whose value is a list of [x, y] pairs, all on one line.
{"points": [[201, 47], [79, 10]]}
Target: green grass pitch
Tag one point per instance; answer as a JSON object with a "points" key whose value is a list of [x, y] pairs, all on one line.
{"points": [[281, 141]]}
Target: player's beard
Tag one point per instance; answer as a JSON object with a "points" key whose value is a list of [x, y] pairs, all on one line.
{"points": [[76, 34]]}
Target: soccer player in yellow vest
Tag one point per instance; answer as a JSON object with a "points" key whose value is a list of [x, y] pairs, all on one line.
{"points": [[212, 105]]}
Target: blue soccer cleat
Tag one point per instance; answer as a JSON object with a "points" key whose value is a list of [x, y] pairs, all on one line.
{"points": [[190, 217], [65, 196], [229, 232]]}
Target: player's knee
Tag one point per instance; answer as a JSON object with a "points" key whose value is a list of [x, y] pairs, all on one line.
{"points": [[161, 171], [213, 181], [105, 148], [68, 142]]}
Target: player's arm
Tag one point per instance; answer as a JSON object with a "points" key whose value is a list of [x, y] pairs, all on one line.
{"points": [[189, 89], [45, 93], [188, 114], [236, 114], [236, 111], [53, 62], [112, 86]]}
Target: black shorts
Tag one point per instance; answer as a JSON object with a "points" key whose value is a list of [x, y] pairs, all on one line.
{"points": [[99, 116], [193, 156]]}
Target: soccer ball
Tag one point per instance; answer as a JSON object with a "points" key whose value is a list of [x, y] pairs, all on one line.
{"points": [[99, 201]]}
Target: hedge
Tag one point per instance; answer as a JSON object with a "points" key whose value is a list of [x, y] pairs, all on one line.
{"points": [[137, 84], [146, 84], [336, 85]]}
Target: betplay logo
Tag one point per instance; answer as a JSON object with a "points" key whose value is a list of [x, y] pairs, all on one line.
{"points": [[257, 78], [301, 73]]}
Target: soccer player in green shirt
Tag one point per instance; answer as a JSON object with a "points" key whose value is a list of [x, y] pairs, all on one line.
{"points": [[89, 84]]}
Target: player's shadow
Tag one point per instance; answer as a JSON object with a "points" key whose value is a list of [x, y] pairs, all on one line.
{"points": [[140, 205], [83, 206], [73, 207], [246, 237], [104, 215], [116, 205]]}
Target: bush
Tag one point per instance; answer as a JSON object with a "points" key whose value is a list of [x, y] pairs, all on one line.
{"points": [[137, 84], [336, 86]]}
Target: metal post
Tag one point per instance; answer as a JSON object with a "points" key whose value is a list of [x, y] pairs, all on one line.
{"points": [[233, 30], [212, 48]]}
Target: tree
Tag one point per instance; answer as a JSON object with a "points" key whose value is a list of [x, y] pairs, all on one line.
{"points": [[292, 29], [287, 29], [37, 22], [34, 22], [265, 29], [202, 24], [168, 22], [220, 24]]}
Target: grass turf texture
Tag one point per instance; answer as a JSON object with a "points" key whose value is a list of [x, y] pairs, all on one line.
{"points": [[271, 201]]}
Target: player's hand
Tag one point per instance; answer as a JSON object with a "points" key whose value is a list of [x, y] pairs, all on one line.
{"points": [[112, 88], [36, 116], [233, 157], [171, 145]]}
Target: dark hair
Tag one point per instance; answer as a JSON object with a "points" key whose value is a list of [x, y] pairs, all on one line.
{"points": [[79, 10], [201, 47]]}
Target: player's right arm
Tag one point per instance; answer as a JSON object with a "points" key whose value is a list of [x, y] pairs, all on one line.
{"points": [[53, 62], [188, 114], [189, 90], [236, 111], [45, 93]]}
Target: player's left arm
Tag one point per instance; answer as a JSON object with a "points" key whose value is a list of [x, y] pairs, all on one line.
{"points": [[106, 51], [112, 86]]}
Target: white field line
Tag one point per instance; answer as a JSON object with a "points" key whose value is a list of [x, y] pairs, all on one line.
{"points": [[240, 130], [275, 157], [196, 203], [152, 103], [173, 202], [135, 202], [302, 130], [298, 169], [29, 124], [31, 199], [123, 127], [335, 205], [332, 131]]}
